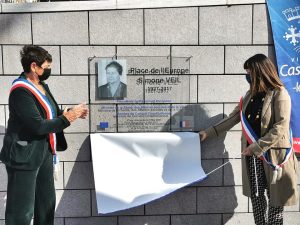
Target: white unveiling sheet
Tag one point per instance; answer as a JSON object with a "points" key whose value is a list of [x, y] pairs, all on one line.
{"points": [[131, 169]]}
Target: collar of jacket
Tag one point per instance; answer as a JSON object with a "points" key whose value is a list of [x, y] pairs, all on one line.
{"points": [[41, 82], [47, 90]]}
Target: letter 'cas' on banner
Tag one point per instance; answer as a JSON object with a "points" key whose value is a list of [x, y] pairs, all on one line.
{"points": [[131, 169], [285, 21]]}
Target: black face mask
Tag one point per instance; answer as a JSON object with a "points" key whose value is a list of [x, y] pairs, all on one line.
{"points": [[248, 78], [46, 74]]}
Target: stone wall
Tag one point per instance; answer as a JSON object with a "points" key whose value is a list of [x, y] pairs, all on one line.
{"points": [[214, 40]]}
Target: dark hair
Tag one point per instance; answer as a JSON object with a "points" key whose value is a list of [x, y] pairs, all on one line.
{"points": [[263, 74], [116, 65], [33, 53]]}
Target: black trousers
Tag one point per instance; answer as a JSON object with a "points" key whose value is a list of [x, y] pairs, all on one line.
{"points": [[264, 213], [31, 193]]}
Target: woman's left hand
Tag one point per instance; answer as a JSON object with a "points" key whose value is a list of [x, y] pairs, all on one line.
{"points": [[84, 114], [247, 152]]}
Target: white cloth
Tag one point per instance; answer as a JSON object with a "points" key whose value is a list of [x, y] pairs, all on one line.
{"points": [[131, 169]]}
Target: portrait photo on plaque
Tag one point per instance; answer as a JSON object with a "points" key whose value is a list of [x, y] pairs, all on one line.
{"points": [[112, 79]]}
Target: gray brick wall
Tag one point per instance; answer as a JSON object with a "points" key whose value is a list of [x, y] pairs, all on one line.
{"points": [[11, 59], [116, 27], [1, 67], [15, 29], [180, 28], [225, 25], [2, 119], [212, 41], [12, 64], [201, 57], [262, 32], [69, 28], [236, 56], [224, 88], [80, 58]]}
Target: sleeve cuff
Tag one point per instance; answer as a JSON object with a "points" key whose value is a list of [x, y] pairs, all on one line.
{"points": [[65, 120], [211, 132], [60, 112]]}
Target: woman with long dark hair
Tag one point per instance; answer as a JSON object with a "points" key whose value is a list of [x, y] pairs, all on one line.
{"points": [[268, 161]]}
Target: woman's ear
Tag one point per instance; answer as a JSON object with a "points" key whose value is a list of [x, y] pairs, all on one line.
{"points": [[33, 66]]}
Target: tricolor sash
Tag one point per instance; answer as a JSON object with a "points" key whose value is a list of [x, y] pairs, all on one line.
{"points": [[252, 137], [43, 100]]}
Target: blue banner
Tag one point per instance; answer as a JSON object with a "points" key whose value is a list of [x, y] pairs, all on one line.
{"points": [[285, 21]]}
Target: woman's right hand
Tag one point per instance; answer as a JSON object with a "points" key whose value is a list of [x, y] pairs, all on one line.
{"points": [[203, 135], [78, 111], [70, 115]]}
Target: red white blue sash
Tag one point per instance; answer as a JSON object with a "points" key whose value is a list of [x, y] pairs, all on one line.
{"points": [[252, 137], [21, 82]]}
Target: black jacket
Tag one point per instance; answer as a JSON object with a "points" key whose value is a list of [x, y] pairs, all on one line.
{"points": [[26, 138], [104, 92]]}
